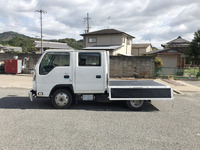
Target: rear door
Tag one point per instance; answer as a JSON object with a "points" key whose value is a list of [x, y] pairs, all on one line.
{"points": [[90, 72]]}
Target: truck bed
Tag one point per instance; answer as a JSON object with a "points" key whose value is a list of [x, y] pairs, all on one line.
{"points": [[139, 90]]}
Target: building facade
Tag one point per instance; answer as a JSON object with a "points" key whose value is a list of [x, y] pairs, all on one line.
{"points": [[114, 41], [172, 54], [141, 49]]}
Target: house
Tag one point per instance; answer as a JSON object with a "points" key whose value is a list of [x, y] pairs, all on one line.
{"points": [[51, 45], [112, 40], [141, 49], [172, 54], [12, 48]]}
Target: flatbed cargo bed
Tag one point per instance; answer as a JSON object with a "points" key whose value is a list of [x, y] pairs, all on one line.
{"points": [[139, 90]]}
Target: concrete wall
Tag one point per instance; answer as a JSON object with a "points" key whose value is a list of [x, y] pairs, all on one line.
{"points": [[120, 66], [123, 66], [33, 58]]}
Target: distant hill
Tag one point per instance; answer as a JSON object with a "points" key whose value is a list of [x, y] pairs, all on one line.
{"points": [[6, 36], [27, 43]]}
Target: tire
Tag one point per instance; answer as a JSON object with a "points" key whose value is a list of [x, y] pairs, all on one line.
{"points": [[136, 104], [61, 99]]}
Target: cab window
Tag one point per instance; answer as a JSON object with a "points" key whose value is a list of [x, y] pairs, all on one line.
{"points": [[52, 60], [89, 59]]}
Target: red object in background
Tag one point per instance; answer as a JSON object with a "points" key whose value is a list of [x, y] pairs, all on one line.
{"points": [[13, 66]]}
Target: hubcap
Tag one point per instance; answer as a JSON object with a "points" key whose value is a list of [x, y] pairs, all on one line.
{"points": [[136, 103], [61, 99]]}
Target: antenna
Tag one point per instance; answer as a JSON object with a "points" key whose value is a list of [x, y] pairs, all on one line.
{"points": [[87, 19], [41, 11], [108, 21]]}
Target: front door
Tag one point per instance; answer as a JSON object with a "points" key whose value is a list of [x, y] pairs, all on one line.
{"points": [[55, 68], [90, 73]]}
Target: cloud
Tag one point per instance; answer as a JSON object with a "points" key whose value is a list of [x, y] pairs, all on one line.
{"points": [[157, 21]]}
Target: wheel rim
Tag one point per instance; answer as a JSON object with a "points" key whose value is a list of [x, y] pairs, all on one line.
{"points": [[136, 103], [61, 99]]}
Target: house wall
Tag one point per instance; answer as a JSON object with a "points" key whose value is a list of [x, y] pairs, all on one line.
{"points": [[104, 40], [140, 51], [116, 39], [120, 66], [168, 60], [126, 46], [149, 49]]}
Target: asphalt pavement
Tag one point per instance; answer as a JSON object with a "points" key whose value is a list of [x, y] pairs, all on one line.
{"points": [[37, 125], [88, 125]]}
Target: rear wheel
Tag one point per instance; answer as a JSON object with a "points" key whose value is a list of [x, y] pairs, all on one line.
{"points": [[136, 104], [61, 99]]}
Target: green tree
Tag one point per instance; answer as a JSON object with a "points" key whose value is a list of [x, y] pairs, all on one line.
{"points": [[193, 50], [154, 48]]}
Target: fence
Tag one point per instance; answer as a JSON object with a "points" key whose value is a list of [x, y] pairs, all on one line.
{"points": [[182, 73]]}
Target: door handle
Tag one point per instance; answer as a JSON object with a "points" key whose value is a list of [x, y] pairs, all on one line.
{"points": [[66, 76], [98, 76]]}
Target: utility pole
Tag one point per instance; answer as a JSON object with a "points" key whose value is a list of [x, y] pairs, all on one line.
{"points": [[41, 11], [87, 19]]}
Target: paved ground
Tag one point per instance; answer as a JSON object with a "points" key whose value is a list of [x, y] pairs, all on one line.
{"points": [[16, 81], [88, 125], [196, 83], [36, 125]]}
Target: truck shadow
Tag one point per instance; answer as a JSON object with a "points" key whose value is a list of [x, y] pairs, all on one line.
{"points": [[15, 102]]}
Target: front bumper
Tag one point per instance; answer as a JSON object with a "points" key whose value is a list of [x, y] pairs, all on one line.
{"points": [[31, 94]]}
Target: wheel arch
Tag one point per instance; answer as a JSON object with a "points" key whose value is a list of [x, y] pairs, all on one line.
{"points": [[68, 87]]}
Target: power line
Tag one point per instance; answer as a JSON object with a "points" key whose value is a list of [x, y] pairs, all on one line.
{"points": [[41, 11]]}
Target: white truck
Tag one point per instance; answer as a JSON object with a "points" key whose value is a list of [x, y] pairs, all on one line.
{"points": [[65, 76]]}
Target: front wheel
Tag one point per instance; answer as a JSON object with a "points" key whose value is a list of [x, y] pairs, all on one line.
{"points": [[61, 99], [136, 104]]}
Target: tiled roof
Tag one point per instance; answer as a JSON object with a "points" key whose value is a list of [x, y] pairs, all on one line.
{"points": [[178, 41], [9, 48], [163, 50], [106, 32], [53, 45]]}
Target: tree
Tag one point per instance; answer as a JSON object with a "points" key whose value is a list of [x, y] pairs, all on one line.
{"points": [[154, 48], [193, 50]]}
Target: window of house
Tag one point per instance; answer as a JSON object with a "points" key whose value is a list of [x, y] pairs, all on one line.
{"points": [[92, 40], [89, 59], [52, 60]]}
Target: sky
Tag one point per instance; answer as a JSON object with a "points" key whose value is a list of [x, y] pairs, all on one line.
{"points": [[154, 21]]}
